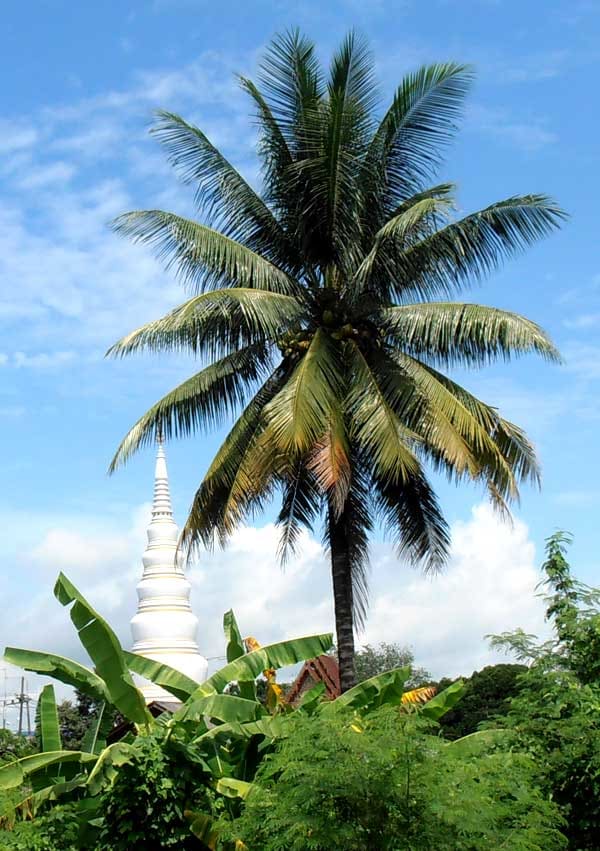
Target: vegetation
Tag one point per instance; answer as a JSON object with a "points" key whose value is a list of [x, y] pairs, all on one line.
{"points": [[392, 785], [372, 660], [323, 306], [488, 693], [556, 716]]}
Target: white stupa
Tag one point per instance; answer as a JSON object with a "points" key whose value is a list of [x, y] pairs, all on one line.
{"points": [[164, 627]]}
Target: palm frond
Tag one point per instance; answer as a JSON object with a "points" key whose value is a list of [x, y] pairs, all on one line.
{"points": [[300, 505], [330, 462], [411, 516], [405, 150], [375, 427], [472, 247], [498, 463], [299, 414], [201, 402], [224, 198], [203, 258], [291, 77], [215, 323], [412, 222], [207, 514], [449, 333]]}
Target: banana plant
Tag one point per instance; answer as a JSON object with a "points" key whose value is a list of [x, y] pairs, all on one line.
{"points": [[205, 706]]}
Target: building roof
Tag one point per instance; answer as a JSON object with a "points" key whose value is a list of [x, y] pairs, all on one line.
{"points": [[323, 669]]}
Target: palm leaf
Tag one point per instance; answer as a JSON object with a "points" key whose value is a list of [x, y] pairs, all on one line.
{"points": [[200, 402], [376, 428], [217, 322], [451, 333], [405, 150], [472, 247], [204, 258], [223, 196], [299, 414]]}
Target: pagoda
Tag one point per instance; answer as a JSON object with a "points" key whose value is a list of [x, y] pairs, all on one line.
{"points": [[164, 627]]}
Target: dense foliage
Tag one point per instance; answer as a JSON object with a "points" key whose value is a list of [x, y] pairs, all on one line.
{"points": [[392, 784], [324, 307], [372, 660], [487, 694], [556, 716]]}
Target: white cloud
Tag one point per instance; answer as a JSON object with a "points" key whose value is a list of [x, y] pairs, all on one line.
{"points": [[528, 134], [489, 586], [16, 136], [52, 174], [42, 360]]}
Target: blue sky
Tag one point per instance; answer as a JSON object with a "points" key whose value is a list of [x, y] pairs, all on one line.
{"points": [[80, 82]]}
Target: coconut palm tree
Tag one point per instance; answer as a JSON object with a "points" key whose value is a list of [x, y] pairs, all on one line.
{"points": [[321, 309]]}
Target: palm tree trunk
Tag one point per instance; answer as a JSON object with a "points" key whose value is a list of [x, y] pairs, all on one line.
{"points": [[341, 574]]}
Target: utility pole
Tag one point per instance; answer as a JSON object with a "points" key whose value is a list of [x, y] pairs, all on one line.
{"points": [[21, 699]]}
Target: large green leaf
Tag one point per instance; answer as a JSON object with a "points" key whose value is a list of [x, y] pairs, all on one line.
{"points": [[249, 667], [107, 765], [48, 720], [60, 668], [443, 702], [233, 636], [94, 740], [105, 651], [235, 649], [386, 688], [224, 707], [14, 773], [202, 826], [476, 743], [234, 788], [173, 681]]}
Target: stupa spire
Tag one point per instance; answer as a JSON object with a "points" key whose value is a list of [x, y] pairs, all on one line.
{"points": [[164, 627], [161, 504]]}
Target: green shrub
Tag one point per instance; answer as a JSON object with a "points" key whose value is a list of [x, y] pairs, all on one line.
{"points": [[392, 786], [145, 806]]}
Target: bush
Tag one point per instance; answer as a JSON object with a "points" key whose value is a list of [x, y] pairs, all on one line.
{"points": [[145, 806], [392, 785]]}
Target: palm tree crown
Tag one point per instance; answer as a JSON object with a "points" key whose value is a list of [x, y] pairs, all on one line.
{"points": [[321, 308]]}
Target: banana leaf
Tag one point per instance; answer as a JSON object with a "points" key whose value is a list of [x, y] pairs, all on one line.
{"points": [[233, 637], [382, 689], [224, 707], [235, 649], [311, 699], [233, 788], [60, 668], [96, 734], [249, 666], [475, 743], [105, 652], [48, 720], [202, 826], [443, 702], [14, 773], [107, 765], [162, 675]]}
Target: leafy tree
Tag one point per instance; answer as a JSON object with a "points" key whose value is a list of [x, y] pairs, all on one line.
{"points": [[487, 694], [392, 784], [556, 715], [372, 660], [322, 304]]}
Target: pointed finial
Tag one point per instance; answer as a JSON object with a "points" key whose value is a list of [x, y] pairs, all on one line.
{"points": [[161, 506]]}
